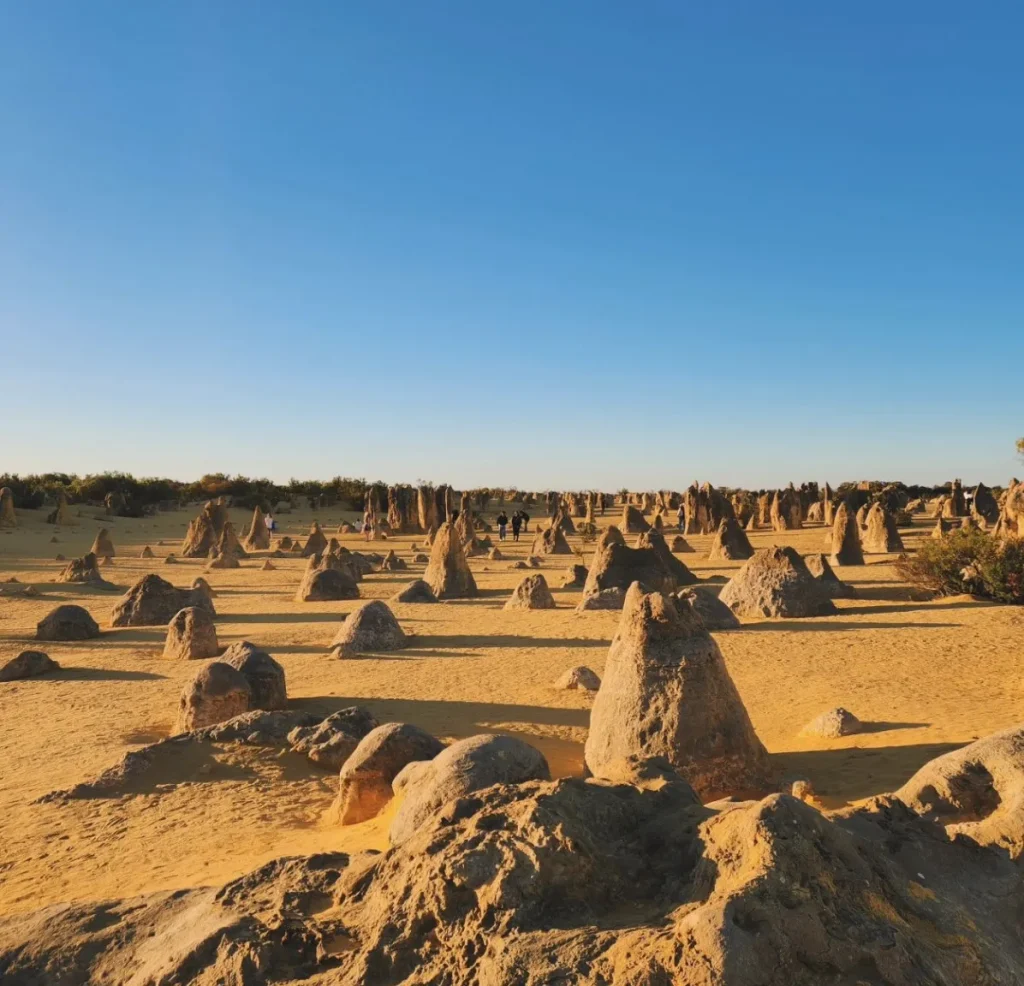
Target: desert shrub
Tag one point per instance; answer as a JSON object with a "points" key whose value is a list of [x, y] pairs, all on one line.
{"points": [[969, 560]]}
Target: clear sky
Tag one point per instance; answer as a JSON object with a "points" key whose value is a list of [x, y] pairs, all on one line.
{"points": [[569, 244]]}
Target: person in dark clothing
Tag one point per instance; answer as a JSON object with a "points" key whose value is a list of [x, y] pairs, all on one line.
{"points": [[526, 521], [517, 522], [502, 524]]}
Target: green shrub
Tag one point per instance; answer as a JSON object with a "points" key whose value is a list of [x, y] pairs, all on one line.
{"points": [[969, 560]]}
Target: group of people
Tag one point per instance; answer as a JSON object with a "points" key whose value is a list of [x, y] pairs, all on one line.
{"points": [[520, 520]]}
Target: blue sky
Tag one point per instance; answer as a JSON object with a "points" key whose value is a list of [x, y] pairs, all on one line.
{"points": [[564, 244]]}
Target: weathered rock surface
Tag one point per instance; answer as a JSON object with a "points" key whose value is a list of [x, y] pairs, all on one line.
{"points": [[730, 542], [330, 742], [776, 582], [881, 534], [217, 692], [27, 664], [416, 591], [265, 676], [364, 783], [713, 613], [531, 593], [447, 572], [464, 767], [369, 628], [612, 598], [833, 724], [579, 678], [191, 635], [67, 622], [84, 570], [153, 601], [666, 692], [102, 546], [818, 566], [326, 585], [589, 882], [846, 549]]}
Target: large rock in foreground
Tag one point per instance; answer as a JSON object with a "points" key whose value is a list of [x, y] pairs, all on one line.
{"points": [[976, 791], [666, 692], [776, 582], [586, 882], [466, 766], [364, 783]]}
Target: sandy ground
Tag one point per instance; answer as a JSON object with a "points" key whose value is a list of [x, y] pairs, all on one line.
{"points": [[926, 676]]}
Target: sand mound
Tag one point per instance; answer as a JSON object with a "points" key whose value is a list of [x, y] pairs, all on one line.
{"points": [[776, 582], [666, 692]]}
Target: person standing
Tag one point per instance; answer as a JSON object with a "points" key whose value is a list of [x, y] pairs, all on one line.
{"points": [[517, 521], [681, 517], [502, 524]]}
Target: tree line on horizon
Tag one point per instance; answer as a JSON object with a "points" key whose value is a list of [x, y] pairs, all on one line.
{"points": [[146, 493]]}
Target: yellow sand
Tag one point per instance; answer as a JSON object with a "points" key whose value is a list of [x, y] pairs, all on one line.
{"points": [[927, 675]]}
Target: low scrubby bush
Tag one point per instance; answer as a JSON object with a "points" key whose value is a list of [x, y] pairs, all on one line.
{"points": [[969, 560]]}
